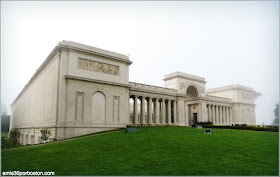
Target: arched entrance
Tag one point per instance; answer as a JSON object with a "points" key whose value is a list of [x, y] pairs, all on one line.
{"points": [[192, 92], [193, 108]]}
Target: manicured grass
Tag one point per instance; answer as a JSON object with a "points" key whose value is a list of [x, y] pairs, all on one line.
{"points": [[154, 151]]}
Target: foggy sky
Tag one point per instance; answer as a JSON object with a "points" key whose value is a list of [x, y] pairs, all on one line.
{"points": [[224, 42]]}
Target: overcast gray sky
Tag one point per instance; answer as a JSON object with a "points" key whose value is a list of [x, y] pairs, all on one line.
{"points": [[226, 42]]}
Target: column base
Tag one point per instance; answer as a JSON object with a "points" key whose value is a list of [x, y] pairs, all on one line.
{"points": [[144, 124]]}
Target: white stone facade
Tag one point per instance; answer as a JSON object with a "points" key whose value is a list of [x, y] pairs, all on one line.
{"points": [[81, 89]]}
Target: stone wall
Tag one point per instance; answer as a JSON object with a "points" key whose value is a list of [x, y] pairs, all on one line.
{"points": [[92, 106], [36, 106]]}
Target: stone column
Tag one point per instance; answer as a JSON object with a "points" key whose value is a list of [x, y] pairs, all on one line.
{"points": [[143, 110], [168, 112], [227, 112], [210, 113], [150, 111], [163, 112], [199, 112], [207, 110], [217, 115], [224, 115], [214, 114], [136, 109], [230, 116], [156, 111], [129, 113], [175, 111], [187, 115], [221, 115]]}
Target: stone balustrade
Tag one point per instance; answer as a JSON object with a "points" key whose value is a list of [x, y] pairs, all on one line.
{"points": [[151, 87], [218, 98]]}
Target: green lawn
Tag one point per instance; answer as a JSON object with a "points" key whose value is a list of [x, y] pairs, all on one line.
{"points": [[154, 151]]}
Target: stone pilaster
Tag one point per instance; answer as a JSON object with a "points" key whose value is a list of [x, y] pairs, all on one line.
{"points": [[230, 115], [187, 114], [181, 111], [199, 118], [203, 112]]}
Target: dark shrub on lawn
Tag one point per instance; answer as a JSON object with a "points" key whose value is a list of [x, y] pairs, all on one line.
{"points": [[14, 136], [208, 123], [5, 143]]}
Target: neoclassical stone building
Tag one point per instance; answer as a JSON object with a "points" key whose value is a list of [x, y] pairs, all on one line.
{"points": [[81, 89]]}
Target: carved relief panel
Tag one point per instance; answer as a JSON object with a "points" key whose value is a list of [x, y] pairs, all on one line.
{"points": [[98, 66], [79, 105], [246, 96], [116, 108]]}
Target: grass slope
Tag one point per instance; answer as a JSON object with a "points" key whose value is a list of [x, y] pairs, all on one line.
{"points": [[154, 151]]}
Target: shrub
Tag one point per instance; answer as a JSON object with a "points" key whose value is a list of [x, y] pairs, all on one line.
{"points": [[208, 123], [271, 129], [45, 134], [5, 143], [14, 136]]}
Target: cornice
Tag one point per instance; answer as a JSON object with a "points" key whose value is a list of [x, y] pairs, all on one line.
{"points": [[183, 77], [95, 81], [111, 55]]}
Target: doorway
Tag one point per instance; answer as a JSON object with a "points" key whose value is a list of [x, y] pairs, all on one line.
{"points": [[194, 118]]}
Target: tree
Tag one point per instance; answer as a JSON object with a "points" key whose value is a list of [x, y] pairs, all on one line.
{"points": [[45, 134], [3, 109], [5, 119], [5, 122], [276, 113], [14, 136]]}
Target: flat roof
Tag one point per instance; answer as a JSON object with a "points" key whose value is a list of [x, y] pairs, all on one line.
{"points": [[74, 46], [230, 87], [94, 50], [184, 76]]}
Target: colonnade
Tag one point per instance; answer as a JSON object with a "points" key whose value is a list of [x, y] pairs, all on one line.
{"points": [[160, 111], [219, 114]]}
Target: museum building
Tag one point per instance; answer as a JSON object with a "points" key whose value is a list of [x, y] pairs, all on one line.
{"points": [[81, 89]]}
